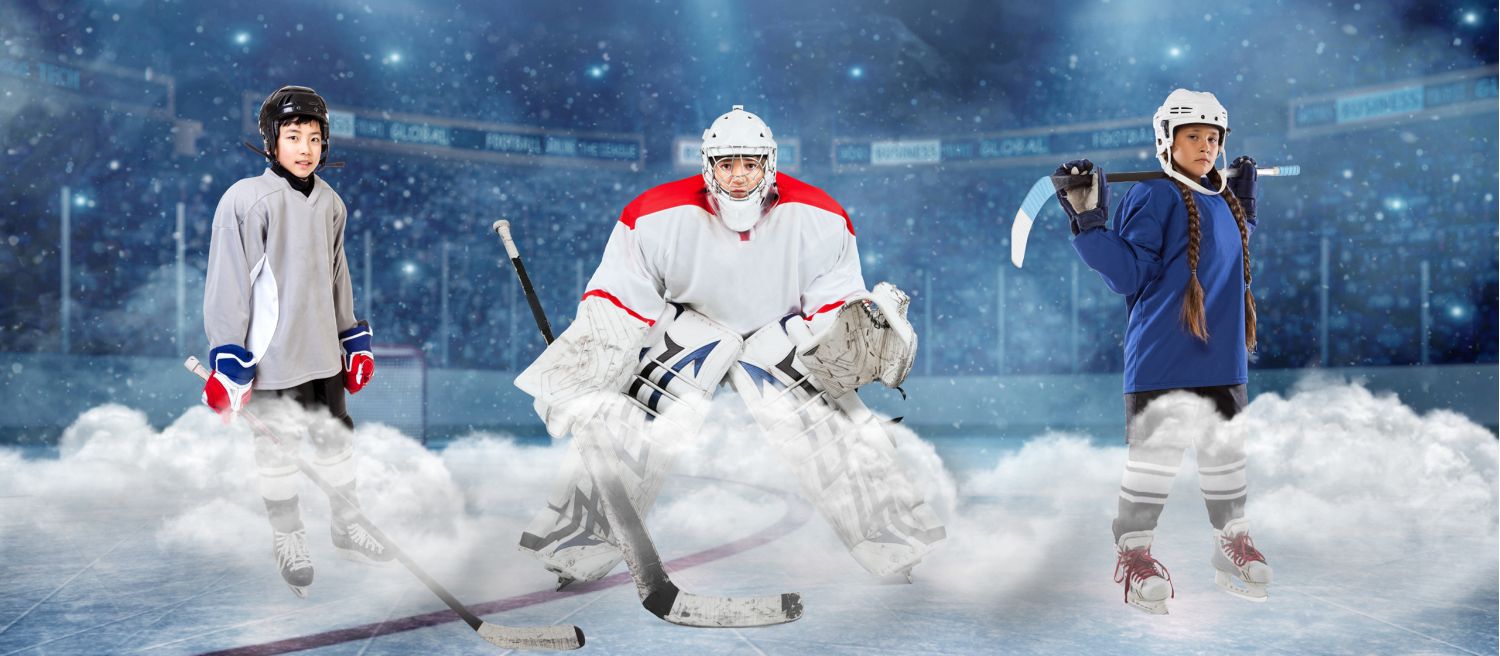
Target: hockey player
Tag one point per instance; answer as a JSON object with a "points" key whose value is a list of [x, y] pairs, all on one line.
{"points": [[1180, 254], [279, 312], [744, 273]]}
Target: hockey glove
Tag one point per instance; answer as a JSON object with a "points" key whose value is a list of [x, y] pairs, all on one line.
{"points": [[359, 360], [228, 389], [869, 340], [1243, 184], [1085, 199], [597, 354]]}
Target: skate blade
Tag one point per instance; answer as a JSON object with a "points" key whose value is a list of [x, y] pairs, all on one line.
{"points": [[299, 590], [564, 581], [1152, 607], [1247, 591], [359, 557]]}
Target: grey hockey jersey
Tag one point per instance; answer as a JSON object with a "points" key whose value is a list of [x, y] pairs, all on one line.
{"points": [[262, 228]]}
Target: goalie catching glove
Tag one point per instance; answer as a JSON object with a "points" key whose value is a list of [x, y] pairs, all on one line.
{"points": [[870, 339]]}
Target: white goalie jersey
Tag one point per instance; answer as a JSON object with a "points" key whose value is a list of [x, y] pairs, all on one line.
{"points": [[668, 247]]}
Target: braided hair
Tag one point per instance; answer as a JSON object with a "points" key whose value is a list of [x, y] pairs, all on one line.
{"points": [[1192, 300]]}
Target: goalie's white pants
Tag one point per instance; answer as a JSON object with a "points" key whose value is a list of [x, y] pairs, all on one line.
{"points": [[844, 459], [673, 383]]}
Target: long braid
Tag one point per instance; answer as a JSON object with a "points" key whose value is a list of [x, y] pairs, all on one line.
{"points": [[1239, 218], [1192, 299]]}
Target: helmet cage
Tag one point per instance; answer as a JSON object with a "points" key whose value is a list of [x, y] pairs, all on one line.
{"points": [[739, 133]]}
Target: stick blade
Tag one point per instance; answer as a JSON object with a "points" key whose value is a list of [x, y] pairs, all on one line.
{"points": [[1020, 230], [734, 612], [565, 637]]}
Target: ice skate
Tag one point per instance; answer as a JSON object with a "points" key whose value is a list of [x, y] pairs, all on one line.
{"points": [[355, 543], [1147, 582], [293, 560], [1241, 570]]}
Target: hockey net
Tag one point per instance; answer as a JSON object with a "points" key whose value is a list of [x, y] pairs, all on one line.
{"points": [[397, 394]]}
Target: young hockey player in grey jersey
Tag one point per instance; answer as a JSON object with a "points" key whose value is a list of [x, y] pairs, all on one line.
{"points": [[279, 312]]}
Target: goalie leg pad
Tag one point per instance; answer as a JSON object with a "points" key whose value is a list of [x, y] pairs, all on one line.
{"points": [[844, 460], [668, 399]]}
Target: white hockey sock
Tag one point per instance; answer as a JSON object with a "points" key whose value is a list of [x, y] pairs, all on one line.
{"points": [[1146, 482], [337, 468]]}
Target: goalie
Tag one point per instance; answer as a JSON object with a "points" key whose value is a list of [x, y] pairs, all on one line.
{"points": [[743, 274]]}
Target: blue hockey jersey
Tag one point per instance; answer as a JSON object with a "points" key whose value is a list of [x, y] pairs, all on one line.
{"points": [[1145, 258]]}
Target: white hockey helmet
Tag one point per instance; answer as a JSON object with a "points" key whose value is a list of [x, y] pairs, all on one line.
{"points": [[739, 133], [1184, 107]]}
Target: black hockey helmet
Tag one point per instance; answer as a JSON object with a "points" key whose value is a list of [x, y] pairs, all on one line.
{"points": [[288, 102]]}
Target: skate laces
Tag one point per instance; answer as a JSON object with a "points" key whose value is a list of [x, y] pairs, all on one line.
{"points": [[291, 551], [1136, 565], [1240, 549], [358, 535]]}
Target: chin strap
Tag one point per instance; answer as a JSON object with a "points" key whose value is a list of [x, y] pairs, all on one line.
{"points": [[258, 151], [1173, 173]]}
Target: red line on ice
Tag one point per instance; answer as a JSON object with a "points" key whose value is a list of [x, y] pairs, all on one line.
{"points": [[797, 514]]}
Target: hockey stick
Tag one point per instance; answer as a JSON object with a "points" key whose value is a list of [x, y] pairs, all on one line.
{"points": [[502, 227], [550, 638], [658, 593], [1045, 189]]}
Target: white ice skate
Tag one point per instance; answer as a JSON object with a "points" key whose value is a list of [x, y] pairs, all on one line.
{"points": [[1241, 569], [293, 559], [1148, 584], [355, 544]]}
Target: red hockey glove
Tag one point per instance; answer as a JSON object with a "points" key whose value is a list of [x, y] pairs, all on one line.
{"points": [[359, 359], [228, 389]]}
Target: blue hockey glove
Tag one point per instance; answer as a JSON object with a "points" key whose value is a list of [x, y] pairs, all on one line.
{"points": [[1083, 192], [1243, 184]]}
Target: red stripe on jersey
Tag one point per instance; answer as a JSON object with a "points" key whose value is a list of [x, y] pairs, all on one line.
{"points": [[599, 293], [793, 190], [831, 306], [687, 191]]}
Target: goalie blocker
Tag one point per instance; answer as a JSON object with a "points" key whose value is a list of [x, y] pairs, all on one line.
{"points": [[843, 458]]}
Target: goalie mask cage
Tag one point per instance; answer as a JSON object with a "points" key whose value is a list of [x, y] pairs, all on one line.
{"points": [[397, 394]]}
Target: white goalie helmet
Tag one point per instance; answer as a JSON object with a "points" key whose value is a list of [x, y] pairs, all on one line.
{"points": [[1184, 107], [739, 133]]}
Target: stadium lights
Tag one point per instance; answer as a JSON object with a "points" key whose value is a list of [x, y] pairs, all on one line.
{"points": [[1175, 52], [242, 38], [1456, 311], [596, 72], [1471, 18], [80, 200], [408, 268], [393, 58], [856, 72]]}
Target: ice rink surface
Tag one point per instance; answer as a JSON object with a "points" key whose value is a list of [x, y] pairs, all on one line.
{"points": [[1380, 524]]}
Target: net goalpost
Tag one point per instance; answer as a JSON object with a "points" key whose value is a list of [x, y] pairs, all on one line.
{"points": [[397, 394]]}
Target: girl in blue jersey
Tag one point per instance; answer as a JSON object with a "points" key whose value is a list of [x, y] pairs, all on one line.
{"points": [[1179, 253]]}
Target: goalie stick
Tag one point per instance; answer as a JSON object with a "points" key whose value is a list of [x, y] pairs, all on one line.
{"points": [[550, 638], [658, 593], [1045, 189]]}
